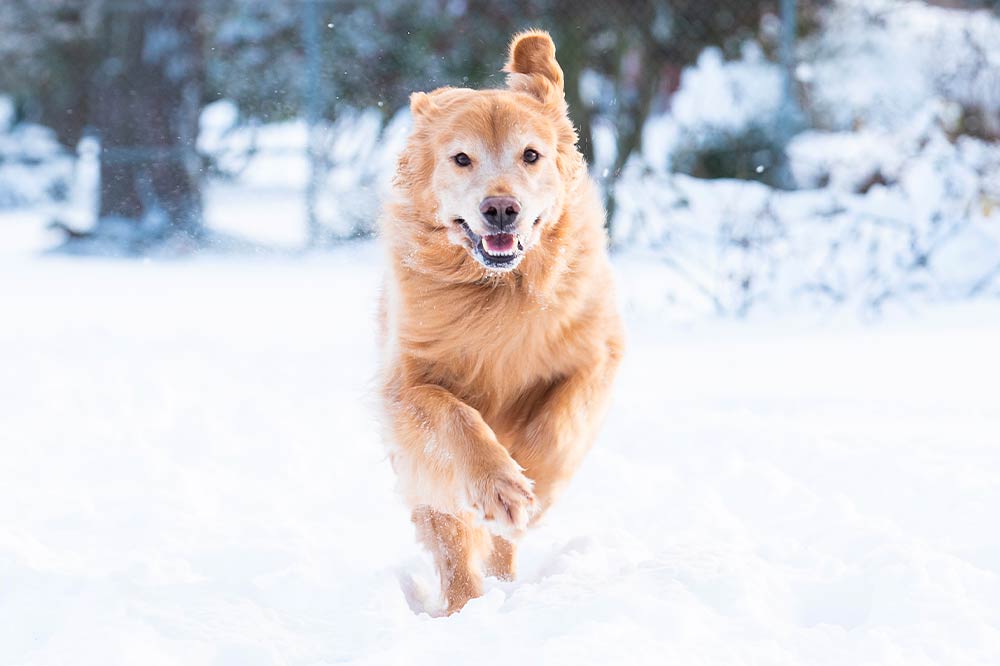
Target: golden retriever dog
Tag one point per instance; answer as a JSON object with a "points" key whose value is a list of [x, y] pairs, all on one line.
{"points": [[499, 330]]}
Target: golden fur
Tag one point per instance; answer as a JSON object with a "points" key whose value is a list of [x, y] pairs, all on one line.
{"points": [[493, 381]]}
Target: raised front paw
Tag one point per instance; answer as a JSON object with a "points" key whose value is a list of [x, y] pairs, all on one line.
{"points": [[503, 499]]}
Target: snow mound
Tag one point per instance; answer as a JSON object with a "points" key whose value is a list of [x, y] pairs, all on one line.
{"points": [[34, 168]]}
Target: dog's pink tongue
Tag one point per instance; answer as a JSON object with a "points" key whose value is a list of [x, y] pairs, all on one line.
{"points": [[499, 243]]}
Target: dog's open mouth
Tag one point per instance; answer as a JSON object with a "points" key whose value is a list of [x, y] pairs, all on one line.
{"points": [[499, 251]]}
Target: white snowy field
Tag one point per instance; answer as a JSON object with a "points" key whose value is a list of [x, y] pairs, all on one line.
{"points": [[192, 474]]}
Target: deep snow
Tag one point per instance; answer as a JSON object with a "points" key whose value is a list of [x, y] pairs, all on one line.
{"points": [[192, 475]]}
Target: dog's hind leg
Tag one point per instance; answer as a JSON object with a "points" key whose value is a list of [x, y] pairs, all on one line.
{"points": [[458, 548], [502, 561]]}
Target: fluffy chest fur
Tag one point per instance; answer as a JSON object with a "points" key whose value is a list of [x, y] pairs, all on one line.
{"points": [[495, 342]]}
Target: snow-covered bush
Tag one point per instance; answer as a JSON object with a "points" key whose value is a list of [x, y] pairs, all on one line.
{"points": [[896, 200], [728, 118], [876, 64], [919, 218], [34, 168]]}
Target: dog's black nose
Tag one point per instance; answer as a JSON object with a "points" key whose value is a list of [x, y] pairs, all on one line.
{"points": [[500, 212]]}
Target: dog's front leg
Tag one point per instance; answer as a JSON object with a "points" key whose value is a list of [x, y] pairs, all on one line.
{"points": [[448, 458], [561, 428], [452, 469]]}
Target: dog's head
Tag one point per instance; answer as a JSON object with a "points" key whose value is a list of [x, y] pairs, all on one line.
{"points": [[492, 167]]}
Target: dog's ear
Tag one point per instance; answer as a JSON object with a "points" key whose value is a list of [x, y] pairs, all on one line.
{"points": [[428, 105], [532, 66], [421, 105]]}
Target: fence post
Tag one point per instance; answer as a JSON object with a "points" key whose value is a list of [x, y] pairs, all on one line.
{"points": [[790, 115], [311, 32]]}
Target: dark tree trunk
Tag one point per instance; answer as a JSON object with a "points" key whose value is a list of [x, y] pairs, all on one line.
{"points": [[147, 96], [571, 56], [632, 115], [66, 109]]}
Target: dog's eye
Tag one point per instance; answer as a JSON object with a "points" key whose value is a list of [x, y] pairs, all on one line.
{"points": [[462, 160], [530, 156]]}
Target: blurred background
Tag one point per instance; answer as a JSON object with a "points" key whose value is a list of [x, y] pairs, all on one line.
{"points": [[793, 153], [800, 463]]}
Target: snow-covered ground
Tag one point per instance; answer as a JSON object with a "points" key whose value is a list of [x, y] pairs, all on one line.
{"points": [[192, 475]]}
